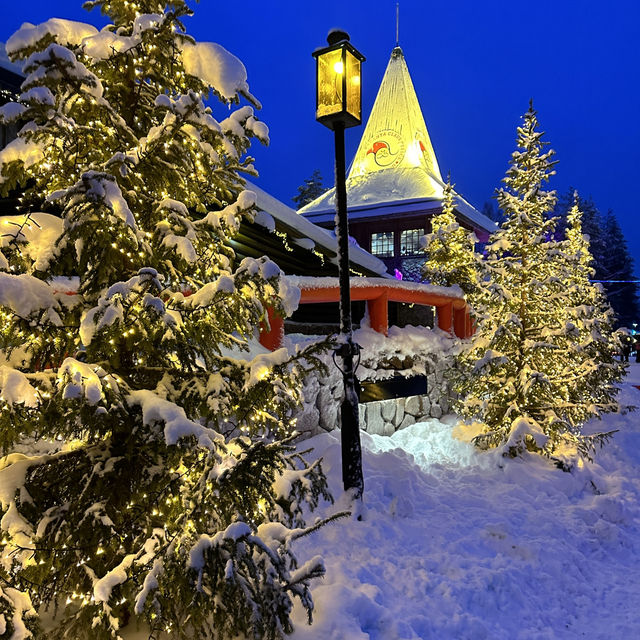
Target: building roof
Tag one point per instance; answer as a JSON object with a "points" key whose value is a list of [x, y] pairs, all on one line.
{"points": [[395, 163], [305, 235]]}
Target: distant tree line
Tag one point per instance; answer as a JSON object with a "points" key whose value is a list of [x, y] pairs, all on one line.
{"points": [[612, 260]]}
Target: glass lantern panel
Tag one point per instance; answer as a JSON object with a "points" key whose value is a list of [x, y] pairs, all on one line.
{"points": [[353, 86], [330, 72]]}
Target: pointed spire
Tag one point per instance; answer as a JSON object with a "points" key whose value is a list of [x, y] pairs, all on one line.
{"points": [[396, 135], [395, 159]]}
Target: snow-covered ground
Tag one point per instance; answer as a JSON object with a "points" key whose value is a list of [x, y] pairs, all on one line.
{"points": [[463, 545]]}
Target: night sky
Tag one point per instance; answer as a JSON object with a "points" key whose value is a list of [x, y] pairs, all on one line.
{"points": [[475, 65]]}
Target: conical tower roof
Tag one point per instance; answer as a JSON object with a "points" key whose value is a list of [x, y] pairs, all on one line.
{"points": [[395, 159]]}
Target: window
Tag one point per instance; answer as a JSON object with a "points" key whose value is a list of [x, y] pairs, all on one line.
{"points": [[410, 242], [382, 244]]}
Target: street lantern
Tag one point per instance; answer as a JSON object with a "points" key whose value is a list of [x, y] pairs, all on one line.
{"points": [[338, 106], [338, 82]]}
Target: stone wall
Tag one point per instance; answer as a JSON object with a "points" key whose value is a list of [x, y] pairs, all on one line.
{"points": [[323, 394]]}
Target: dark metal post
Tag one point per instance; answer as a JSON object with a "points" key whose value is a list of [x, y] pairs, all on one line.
{"points": [[350, 428]]}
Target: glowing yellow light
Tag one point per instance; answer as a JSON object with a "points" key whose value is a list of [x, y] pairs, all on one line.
{"points": [[338, 67]]}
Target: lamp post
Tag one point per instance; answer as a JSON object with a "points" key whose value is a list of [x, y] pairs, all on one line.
{"points": [[338, 106]]}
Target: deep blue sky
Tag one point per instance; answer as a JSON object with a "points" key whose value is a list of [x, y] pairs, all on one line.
{"points": [[475, 65]]}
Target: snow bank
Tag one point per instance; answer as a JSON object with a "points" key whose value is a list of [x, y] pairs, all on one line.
{"points": [[458, 544]]}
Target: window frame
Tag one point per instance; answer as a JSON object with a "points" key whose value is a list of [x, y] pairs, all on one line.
{"points": [[416, 249], [390, 243]]}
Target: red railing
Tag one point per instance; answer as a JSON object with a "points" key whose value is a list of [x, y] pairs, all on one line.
{"points": [[453, 312]]}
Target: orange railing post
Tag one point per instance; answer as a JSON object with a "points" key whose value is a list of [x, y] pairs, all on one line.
{"points": [[460, 322], [445, 316], [272, 338], [379, 313]]}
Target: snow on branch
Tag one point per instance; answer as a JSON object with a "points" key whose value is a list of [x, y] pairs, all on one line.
{"points": [[65, 32], [27, 297], [19, 150], [15, 388], [217, 68], [99, 187], [35, 233], [84, 380], [177, 426]]}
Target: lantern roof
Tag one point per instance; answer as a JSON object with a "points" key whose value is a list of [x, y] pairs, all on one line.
{"points": [[395, 161]]}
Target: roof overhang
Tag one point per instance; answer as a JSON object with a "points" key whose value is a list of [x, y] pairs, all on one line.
{"points": [[291, 221]]}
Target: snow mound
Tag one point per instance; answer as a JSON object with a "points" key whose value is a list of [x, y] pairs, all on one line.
{"points": [[457, 544], [430, 444]]}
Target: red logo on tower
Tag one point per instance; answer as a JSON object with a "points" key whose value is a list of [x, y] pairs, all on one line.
{"points": [[387, 149]]}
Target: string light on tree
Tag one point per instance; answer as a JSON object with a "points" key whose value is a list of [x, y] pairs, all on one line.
{"points": [[169, 449]]}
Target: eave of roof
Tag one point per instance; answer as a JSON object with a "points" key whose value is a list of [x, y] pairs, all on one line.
{"points": [[466, 212], [290, 219]]}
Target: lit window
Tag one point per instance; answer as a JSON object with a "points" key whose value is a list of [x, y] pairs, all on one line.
{"points": [[382, 244], [410, 242]]}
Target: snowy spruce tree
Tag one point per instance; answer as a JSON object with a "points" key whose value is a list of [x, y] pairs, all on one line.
{"points": [[149, 477], [520, 378], [612, 261], [451, 258], [619, 266], [593, 373]]}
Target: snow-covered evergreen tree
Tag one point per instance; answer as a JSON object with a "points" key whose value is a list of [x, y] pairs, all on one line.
{"points": [[152, 486], [593, 371], [517, 378], [612, 262], [451, 258], [311, 189], [622, 291]]}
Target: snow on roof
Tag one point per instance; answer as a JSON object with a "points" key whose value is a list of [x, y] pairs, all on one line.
{"points": [[312, 282], [290, 218], [465, 211], [379, 210], [395, 161]]}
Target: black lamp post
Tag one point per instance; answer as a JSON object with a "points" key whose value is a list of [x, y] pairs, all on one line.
{"points": [[338, 106]]}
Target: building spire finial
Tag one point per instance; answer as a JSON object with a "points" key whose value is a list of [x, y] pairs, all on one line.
{"points": [[397, 24]]}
